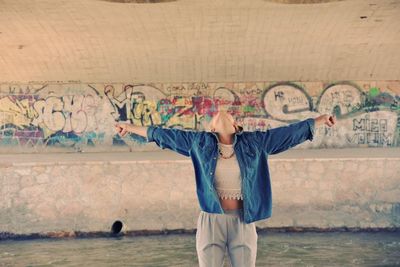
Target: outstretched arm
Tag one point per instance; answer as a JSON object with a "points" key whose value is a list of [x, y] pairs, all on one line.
{"points": [[175, 139], [279, 139]]}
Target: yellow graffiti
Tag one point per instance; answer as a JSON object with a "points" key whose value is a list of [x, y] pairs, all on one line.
{"points": [[17, 112], [145, 113], [186, 121]]}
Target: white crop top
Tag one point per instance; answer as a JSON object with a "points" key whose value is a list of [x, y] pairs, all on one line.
{"points": [[228, 181]]}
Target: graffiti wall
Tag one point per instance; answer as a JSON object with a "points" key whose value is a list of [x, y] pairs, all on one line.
{"points": [[54, 116]]}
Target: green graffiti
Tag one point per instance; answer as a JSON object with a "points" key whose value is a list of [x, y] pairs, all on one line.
{"points": [[248, 109], [374, 91]]}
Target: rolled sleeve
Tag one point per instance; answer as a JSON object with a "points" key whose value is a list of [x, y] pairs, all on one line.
{"points": [[150, 131], [311, 125]]}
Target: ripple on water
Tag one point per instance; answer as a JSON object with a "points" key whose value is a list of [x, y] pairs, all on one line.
{"points": [[274, 249]]}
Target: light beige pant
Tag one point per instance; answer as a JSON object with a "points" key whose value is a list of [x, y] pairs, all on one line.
{"points": [[218, 232]]}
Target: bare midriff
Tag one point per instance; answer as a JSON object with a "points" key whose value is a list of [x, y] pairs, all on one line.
{"points": [[231, 204]]}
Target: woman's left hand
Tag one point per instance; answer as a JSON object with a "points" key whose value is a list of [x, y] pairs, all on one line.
{"points": [[325, 119]]}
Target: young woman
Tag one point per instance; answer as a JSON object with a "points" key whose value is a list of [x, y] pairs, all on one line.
{"points": [[232, 179]]}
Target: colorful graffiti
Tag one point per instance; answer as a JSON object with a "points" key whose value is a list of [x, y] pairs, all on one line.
{"points": [[49, 116], [74, 115]]}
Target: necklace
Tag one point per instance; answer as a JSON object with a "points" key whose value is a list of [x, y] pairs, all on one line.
{"points": [[224, 151]]}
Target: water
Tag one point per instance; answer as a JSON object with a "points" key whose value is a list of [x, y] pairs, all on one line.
{"points": [[274, 249]]}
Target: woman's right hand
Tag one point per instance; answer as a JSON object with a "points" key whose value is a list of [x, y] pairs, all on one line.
{"points": [[122, 128]]}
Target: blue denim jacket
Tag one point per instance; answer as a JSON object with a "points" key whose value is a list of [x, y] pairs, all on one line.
{"points": [[252, 150]]}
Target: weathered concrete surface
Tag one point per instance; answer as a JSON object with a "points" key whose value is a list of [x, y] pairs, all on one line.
{"points": [[156, 190], [191, 40]]}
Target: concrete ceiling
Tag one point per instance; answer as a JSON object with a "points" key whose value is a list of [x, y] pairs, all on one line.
{"points": [[199, 40]]}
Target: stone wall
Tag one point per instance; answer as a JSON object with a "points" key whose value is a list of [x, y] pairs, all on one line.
{"points": [[87, 192], [69, 117]]}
